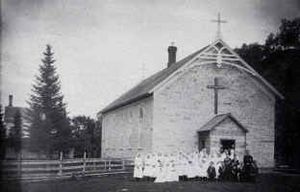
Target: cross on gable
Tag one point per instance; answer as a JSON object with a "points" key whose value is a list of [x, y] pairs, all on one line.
{"points": [[216, 87], [219, 21]]}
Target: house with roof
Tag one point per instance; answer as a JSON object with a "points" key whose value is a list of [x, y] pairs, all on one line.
{"points": [[210, 99], [10, 112]]}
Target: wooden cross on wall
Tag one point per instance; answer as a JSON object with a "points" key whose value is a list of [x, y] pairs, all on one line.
{"points": [[216, 87]]}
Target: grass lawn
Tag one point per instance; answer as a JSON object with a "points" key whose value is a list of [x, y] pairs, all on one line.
{"points": [[125, 183]]}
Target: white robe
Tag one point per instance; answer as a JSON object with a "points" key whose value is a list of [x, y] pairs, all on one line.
{"points": [[154, 165], [203, 164], [197, 165], [173, 170], [223, 156], [182, 164], [158, 166], [138, 167], [162, 170], [192, 167], [160, 175], [148, 171], [231, 154]]}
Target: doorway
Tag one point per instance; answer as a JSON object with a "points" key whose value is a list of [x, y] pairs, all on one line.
{"points": [[227, 144], [203, 141]]}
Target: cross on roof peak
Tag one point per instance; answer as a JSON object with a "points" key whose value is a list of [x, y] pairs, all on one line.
{"points": [[219, 21]]}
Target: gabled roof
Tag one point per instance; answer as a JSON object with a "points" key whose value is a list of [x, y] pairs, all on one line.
{"points": [[142, 89], [218, 119], [145, 88]]}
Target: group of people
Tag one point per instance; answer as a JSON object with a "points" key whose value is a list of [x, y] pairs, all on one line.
{"points": [[159, 167]]}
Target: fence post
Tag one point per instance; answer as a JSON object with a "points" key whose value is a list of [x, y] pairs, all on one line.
{"points": [[104, 165], [19, 165], [60, 163], [94, 164], [84, 162], [123, 164], [109, 165]]}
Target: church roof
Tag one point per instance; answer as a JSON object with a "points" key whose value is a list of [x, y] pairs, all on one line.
{"points": [[142, 89], [219, 119], [145, 88]]}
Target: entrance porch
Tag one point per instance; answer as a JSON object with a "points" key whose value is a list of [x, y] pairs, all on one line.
{"points": [[223, 132]]}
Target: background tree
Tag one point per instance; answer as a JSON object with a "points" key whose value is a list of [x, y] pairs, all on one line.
{"points": [[86, 134], [2, 135], [278, 61], [50, 130], [15, 134]]}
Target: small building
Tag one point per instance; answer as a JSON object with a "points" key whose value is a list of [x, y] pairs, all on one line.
{"points": [[212, 98], [10, 112]]}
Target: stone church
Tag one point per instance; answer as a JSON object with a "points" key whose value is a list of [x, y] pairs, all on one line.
{"points": [[210, 99]]}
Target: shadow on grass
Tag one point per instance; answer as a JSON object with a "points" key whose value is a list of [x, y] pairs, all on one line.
{"points": [[123, 183]]}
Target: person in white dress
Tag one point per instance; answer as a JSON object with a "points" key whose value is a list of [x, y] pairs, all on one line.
{"points": [[196, 164], [182, 164], [154, 165], [192, 169], [214, 157], [224, 155], [138, 167], [218, 163], [173, 174], [204, 163], [158, 165], [163, 169], [159, 169], [232, 152], [148, 166]]}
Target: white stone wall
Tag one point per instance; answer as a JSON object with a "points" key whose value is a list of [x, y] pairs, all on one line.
{"points": [[184, 104], [127, 130]]}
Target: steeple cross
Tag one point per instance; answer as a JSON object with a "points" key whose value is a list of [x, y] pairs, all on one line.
{"points": [[216, 87], [219, 21]]}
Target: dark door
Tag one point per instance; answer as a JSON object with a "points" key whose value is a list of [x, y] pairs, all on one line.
{"points": [[227, 144]]}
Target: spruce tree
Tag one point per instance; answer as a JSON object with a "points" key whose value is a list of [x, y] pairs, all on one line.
{"points": [[50, 130]]}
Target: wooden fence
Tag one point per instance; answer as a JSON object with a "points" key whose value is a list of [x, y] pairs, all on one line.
{"points": [[62, 168]]}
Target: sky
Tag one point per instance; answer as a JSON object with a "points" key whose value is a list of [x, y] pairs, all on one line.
{"points": [[103, 48]]}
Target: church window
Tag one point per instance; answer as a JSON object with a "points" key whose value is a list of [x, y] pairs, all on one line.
{"points": [[131, 115], [141, 113], [219, 45]]}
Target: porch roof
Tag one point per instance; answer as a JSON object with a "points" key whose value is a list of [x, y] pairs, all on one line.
{"points": [[218, 119]]}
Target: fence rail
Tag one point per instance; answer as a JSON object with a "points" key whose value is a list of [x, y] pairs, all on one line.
{"points": [[47, 169]]}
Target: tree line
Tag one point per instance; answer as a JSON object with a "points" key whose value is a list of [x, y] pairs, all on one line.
{"points": [[278, 60]]}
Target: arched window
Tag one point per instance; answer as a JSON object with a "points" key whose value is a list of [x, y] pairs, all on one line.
{"points": [[141, 114]]}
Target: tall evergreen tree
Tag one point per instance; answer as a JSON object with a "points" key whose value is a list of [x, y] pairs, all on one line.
{"points": [[50, 130]]}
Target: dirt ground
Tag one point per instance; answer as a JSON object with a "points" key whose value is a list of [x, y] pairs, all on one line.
{"points": [[125, 183]]}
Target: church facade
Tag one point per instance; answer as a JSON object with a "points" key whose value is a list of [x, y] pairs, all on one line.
{"points": [[210, 99]]}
